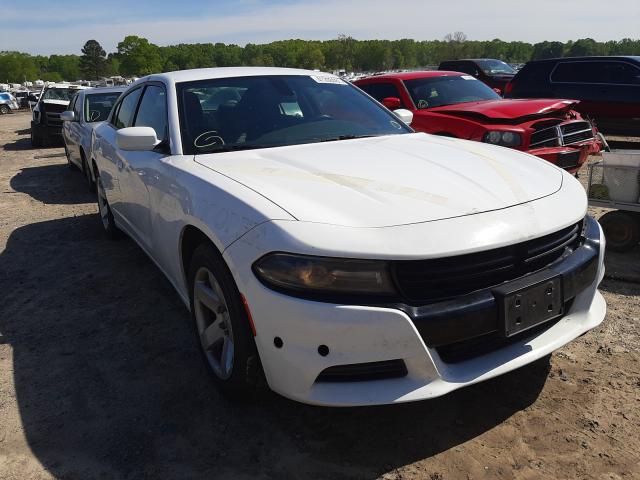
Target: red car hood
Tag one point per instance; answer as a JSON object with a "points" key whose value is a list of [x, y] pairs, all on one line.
{"points": [[508, 109]]}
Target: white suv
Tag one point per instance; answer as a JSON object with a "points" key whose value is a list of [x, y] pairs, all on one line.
{"points": [[318, 239], [86, 110], [46, 125]]}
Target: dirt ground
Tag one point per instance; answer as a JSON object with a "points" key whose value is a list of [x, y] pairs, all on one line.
{"points": [[100, 377]]}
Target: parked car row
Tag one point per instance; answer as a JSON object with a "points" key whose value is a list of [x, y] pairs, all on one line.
{"points": [[323, 245]]}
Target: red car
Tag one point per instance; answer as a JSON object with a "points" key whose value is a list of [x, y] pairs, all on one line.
{"points": [[457, 105]]}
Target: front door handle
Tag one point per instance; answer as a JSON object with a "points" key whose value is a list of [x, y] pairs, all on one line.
{"points": [[120, 165]]}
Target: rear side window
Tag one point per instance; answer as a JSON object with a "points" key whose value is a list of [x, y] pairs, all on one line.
{"points": [[531, 81], [153, 111], [126, 110], [605, 72], [380, 91]]}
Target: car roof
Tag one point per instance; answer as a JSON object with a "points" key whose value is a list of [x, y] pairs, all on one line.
{"points": [[587, 59], [70, 86], [413, 75], [91, 91], [225, 72]]}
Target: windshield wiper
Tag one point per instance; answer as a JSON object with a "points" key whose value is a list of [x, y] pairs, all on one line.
{"points": [[235, 148], [345, 137]]}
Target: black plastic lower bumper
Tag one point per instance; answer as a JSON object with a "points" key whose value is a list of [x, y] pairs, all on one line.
{"points": [[477, 314]]}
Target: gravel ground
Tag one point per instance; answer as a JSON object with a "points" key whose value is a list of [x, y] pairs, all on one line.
{"points": [[100, 377]]}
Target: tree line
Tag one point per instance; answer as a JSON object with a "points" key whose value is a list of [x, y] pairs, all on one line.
{"points": [[136, 56]]}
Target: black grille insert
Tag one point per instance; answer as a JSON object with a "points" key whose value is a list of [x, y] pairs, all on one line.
{"points": [[359, 372], [429, 281], [476, 347]]}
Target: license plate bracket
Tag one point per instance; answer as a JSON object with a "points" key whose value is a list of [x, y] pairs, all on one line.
{"points": [[529, 302]]}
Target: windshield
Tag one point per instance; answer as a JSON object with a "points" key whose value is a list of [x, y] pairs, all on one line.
{"points": [[495, 67], [97, 106], [5, 96], [448, 90], [269, 111], [58, 94]]}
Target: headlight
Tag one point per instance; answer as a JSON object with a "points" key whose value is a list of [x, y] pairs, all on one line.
{"points": [[303, 273], [506, 139]]}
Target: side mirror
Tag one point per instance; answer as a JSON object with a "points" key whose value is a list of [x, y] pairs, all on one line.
{"points": [[32, 98], [140, 139], [405, 115], [392, 103], [67, 116]]}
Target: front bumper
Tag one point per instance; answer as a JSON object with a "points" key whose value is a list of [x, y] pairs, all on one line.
{"points": [[358, 334], [570, 158]]}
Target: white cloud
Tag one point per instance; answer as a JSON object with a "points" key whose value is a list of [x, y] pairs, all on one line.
{"points": [[418, 19]]}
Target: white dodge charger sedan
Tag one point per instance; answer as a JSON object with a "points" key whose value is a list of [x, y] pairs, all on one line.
{"points": [[320, 242]]}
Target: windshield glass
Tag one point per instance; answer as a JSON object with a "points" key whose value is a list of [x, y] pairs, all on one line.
{"points": [[58, 94], [495, 67], [269, 111], [5, 96], [448, 90], [98, 105]]}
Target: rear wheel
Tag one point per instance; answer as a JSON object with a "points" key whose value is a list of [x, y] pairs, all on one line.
{"points": [[222, 326], [106, 216], [621, 229], [87, 175]]}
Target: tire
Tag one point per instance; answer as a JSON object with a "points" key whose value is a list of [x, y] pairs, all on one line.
{"points": [[222, 326], [87, 174], [621, 229], [70, 164], [36, 140], [4, 110], [104, 210]]}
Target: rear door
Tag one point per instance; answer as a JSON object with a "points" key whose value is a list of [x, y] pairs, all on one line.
{"points": [[608, 90]]}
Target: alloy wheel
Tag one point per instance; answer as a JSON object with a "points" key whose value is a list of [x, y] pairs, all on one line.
{"points": [[103, 205], [213, 323]]}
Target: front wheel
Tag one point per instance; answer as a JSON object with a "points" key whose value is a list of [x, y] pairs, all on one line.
{"points": [[4, 109], [222, 325]]}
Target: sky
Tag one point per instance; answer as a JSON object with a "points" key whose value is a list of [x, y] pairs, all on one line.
{"points": [[47, 27]]}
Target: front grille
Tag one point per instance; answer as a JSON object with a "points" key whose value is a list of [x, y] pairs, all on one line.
{"points": [[53, 119], [359, 372], [564, 134], [429, 281]]}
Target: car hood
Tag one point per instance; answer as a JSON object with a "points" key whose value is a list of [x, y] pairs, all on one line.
{"points": [[509, 109], [390, 180]]}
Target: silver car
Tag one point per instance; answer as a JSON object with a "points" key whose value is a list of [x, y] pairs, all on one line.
{"points": [[8, 103], [87, 109]]}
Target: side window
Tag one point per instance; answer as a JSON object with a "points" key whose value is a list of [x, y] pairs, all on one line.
{"points": [[76, 106], [468, 67], [153, 111], [127, 109], [620, 73], [575, 72], [380, 91]]}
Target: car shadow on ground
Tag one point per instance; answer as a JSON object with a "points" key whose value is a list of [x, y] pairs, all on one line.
{"points": [[110, 383], [20, 144], [53, 184]]}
